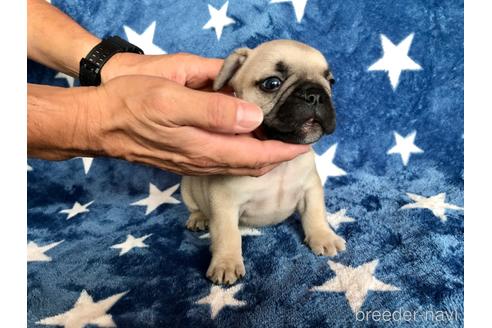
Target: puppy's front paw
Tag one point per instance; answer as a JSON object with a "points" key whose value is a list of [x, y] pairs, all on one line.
{"points": [[226, 269], [325, 243]]}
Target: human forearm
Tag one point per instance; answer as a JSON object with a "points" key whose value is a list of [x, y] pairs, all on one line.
{"points": [[54, 39], [60, 122]]}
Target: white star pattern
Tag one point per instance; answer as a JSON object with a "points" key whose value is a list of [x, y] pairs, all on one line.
{"points": [[435, 203], [145, 40], [299, 7], [156, 198], [405, 146], [130, 243], [325, 166], [76, 209], [354, 282], [220, 297], [395, 59], [218, 19], [244, 231], [337, 218], [85, 312], [35, 253], [29, 167], [87, 162], [70, 79]]}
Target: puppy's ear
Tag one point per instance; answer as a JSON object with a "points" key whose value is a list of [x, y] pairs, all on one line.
{"points": [[230, 66]]}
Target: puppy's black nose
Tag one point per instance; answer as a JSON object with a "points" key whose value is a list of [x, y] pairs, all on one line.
{"points": [[313, 95], [313, 98]]}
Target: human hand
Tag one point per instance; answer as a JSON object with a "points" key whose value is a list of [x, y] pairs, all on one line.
{"points": [[158, 122], [183, 68]]}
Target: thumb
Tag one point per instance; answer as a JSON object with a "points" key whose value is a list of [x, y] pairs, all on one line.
{"points": [[217, 112]]}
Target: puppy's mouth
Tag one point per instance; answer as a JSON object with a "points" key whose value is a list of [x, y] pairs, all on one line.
{"points": [[310, 125], [308, 132]]}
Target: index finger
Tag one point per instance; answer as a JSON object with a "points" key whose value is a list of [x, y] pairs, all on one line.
{"points": [[244, 151], [203, 72]]}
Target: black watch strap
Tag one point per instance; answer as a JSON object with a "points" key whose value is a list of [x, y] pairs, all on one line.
{"points": [[91, 65]]}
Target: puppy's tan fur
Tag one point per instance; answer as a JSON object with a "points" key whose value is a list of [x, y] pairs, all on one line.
{"points": [[223, 202]]}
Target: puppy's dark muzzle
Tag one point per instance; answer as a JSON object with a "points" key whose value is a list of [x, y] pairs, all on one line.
{"points": [[303, 115], [318, 106]]}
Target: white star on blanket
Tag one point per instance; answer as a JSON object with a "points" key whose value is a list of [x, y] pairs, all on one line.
{"points": [[405, 146], [218, 19], [220, 297], [325, 166], [434, 203], [85, 312], [337, 218], [130, 243], [354, 282], [76, 209], [35, 253], [299, 7], [395, 59], [144, 41], [156, 198]]}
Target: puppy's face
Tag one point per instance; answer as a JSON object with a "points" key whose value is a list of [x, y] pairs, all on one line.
{"points": [[291, 82]]}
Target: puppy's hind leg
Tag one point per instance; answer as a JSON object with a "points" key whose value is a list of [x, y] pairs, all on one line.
{"points": [[197, 221]]}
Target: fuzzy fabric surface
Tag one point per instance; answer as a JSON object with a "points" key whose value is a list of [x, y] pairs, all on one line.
{"points": [[106, 238]]}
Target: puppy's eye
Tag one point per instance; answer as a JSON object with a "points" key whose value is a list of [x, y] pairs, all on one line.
{"points": [[331, 80], [271, 84]]}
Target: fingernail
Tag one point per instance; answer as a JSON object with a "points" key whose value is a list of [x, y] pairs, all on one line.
{"points": [[248, 116]]}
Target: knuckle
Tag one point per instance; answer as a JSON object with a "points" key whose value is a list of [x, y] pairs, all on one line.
{"points": [[202, 162], [256, 173], [180, 161], [181, 63], [130, 158], [263, 170], [161, 97], [155, 100], [197, 162], [115, 147], [178, 76], [257, 165]]}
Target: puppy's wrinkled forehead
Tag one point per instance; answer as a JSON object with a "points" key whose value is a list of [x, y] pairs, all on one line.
{"points": [[285, 58]]}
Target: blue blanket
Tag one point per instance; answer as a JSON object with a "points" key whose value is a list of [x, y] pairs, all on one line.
{"points": [[106, 239]]}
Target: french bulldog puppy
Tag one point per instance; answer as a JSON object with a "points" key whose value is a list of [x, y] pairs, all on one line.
{"points": [[292, 83]]}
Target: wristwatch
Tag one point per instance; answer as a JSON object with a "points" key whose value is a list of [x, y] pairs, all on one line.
{"points": [[91, 65]]}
